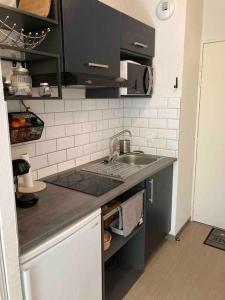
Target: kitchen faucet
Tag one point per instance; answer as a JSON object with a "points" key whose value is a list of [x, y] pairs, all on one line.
{"points": [[114, 154]]}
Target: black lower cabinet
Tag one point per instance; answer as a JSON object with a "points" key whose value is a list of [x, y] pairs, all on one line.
{"points": [[158, 206]]}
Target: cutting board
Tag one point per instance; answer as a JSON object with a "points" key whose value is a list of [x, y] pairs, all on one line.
{"points": [[38, 7]]}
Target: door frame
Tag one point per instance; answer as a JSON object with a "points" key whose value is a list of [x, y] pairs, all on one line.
{"points": [[198, 121]]}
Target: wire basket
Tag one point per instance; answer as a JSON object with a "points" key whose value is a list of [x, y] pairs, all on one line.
{"points": [[10, 35], [24, 127]]}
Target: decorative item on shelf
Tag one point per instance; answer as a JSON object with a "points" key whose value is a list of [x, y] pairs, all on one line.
{"points": [[20, 168], [40, 8], [10, 35], [107, 240], [8, 89], [24, 127], [21, 81], [28, 185], [45, 90]]}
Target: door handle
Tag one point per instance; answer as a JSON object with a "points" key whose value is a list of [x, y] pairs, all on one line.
{"points": [[141, 45], [100, 66], [151, 198]]}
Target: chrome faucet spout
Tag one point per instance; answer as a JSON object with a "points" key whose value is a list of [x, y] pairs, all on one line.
{"points": [[112, 153]]}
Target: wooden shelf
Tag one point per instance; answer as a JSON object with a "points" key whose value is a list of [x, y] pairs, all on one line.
{"points": [[24, 19], [118, 242]]}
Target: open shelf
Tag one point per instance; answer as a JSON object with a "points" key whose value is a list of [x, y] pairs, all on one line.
{"points": [[24, 19], [118, 242]]}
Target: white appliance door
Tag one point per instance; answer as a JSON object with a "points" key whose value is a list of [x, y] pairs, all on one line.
{"points": [[70, 270], [209, 200]]}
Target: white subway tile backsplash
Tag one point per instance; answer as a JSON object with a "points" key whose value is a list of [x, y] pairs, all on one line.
{"points": [[49, 119], [75, 152], [158, 123], [81, 139], [73, 129], [65, 143], [18, 150], [102, 104], [148, 113], [80, 117], [35, 106], [83, 160], [148, 133], [107, 114], [89, 104], [56, 157], [63, 118], [66, 165], [13, 106], [140, 122], [48, 171], [102, 125], [167, 113], [114, 123], [45, 147], [174, 103], [90, 148], [97, 155], [39, 162], [95, 115], [73, 105], [54, 106], [55, 132], [114, 103], [158, 103], [96, 136], [173, 124], [163, 152], [139, 141], [131, 113], [157, 143], [172, 145], [167, 134], [89, 127]]}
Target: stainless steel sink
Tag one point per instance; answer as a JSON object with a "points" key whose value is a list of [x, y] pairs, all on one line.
{"points": [[138, 159]]}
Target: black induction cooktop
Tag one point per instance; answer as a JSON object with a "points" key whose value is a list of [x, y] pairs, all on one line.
{"points": [[84, 182]]}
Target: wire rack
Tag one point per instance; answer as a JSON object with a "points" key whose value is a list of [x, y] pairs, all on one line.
{"points": [[12, 36]]}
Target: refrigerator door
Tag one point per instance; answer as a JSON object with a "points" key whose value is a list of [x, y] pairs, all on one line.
{"points": [[69, 270]]}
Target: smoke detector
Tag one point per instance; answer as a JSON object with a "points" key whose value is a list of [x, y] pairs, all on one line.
{"points": [[165, 9]]}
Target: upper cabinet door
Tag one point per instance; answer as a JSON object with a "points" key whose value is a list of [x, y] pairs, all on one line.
{"points": [[91, 38], [137, 37]]}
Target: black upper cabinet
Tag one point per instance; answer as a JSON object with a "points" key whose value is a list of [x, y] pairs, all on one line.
{"points": [[137, 37], [91, 35]]}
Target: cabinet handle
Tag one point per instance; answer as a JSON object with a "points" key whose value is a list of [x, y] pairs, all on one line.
{"points": [[100, 66], [151, 199], [141, 45], [89, 81]]}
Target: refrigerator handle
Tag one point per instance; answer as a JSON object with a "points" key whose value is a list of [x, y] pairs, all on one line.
{"points": [[27, 285]]}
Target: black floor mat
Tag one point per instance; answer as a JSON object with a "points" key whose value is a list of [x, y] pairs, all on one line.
{"points": [[216, 239]]}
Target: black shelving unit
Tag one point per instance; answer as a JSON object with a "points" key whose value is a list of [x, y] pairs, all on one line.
{"points": [[43, 66], [123, 264]]}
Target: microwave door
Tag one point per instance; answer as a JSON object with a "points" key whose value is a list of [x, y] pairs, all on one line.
{"points": [[135, 79], [148, 81]]}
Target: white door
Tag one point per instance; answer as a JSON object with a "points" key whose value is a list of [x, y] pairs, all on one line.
{"points": [[70, 270], [209, 200]]}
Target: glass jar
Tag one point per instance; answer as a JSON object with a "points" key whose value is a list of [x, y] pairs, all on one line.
{"points": [[21, 82], [45, 90]]}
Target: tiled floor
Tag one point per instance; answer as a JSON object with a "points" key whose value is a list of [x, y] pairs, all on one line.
{"points": [[185, 270]]}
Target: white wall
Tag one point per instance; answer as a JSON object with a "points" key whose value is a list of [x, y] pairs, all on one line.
{"points": [[213, 20], [189, 104]]}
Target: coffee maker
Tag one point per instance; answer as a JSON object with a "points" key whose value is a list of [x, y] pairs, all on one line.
{"points": [[22, 167]]}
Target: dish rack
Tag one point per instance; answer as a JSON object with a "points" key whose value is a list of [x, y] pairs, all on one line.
{"points": [[24, 127]]}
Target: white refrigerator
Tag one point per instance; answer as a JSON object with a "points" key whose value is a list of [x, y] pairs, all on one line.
{"points": [[68, 266]]}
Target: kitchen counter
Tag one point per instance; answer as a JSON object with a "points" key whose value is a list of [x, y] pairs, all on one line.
{"points": [[59, 207]]}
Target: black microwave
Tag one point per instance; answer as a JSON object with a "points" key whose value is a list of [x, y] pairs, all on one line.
{"points": [[139, 79]]}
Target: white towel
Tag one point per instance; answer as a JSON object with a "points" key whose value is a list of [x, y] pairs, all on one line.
{"points": [[132, 213]]}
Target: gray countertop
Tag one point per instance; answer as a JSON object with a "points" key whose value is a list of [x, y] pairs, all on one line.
{"points": [[59, 207]]}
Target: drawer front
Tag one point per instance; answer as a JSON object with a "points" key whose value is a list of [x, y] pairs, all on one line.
{"points": [[137, 37]]}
